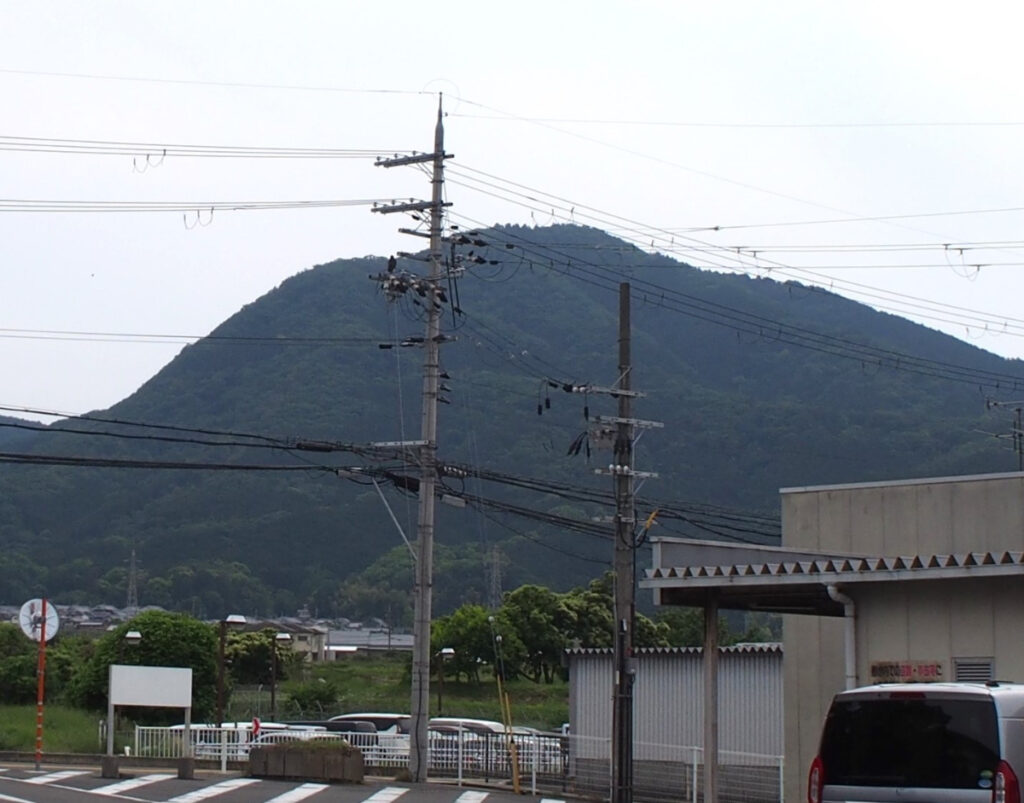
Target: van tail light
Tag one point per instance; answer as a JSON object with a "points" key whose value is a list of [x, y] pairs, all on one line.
{"points": [[816, 779], [1006, 788]]}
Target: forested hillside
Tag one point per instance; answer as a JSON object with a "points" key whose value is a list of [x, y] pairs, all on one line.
{"points": [[760, 385]]}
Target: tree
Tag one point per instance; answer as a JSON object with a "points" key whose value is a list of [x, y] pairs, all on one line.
{"points": [[468, 633], [542, 620], [685, 627], [472, 631], [17, 665], [168, 639]]}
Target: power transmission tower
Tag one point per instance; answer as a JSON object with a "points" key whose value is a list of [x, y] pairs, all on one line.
{"points": [[132, 603], [431, 290], [494, 592]]}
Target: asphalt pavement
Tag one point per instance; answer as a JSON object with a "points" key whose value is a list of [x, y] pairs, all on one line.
{"points": [[24, 784]]}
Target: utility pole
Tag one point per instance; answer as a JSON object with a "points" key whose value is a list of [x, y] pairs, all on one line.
{"points": [[420, 700], [624, 557], [1016, 429], [624, 566]]}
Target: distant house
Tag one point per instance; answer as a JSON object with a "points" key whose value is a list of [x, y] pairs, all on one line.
{"points": [[355, 639], [309, 641]]}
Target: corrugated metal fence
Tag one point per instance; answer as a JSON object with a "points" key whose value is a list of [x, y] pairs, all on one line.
{"points": [[668, 722]]}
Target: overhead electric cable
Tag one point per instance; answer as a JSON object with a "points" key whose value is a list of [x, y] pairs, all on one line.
{"points": [[53, 206], [664, 241], [228, 84], [754, 126], [160, 150], [758, 326]]}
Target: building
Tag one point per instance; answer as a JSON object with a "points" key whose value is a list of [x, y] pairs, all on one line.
{"points": [[917, 579]]}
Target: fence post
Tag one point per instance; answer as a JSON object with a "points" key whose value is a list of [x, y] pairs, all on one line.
{"points": [[533, 769], [693, 773], [461, 754]]}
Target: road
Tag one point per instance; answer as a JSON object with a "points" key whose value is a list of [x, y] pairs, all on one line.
{"points": [[23, 785]]}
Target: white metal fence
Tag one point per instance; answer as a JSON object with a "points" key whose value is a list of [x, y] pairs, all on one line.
{"points": [[543, 761]]}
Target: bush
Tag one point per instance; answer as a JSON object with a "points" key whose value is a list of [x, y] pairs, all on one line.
{"points": [[317, 696]]}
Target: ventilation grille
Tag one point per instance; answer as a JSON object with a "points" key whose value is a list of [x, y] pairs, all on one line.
{"points": [[972, 669]]}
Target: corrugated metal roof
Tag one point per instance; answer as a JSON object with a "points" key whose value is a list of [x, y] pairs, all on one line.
{"points": [[774, 579], [843, 567]]}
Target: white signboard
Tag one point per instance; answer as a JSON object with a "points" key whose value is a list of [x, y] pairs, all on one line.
{"points": [[157, 686]]}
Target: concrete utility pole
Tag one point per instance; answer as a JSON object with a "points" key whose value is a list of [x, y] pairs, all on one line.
{"points": [[624, 558], [420, 701], [624, 565]]}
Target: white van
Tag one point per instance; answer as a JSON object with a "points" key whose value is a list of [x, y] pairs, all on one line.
{"points": [[922, 743]]}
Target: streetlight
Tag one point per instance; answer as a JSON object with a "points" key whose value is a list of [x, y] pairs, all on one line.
{"points": [[442, 655], [233, 620], [279, 640]]}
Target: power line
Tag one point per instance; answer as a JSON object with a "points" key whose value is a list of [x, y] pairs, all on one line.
{"points": [[172, 339], [753, 126], [105, 462], [53, 206], [226, 84], [160, 150], [756, 326], [665, 241]]}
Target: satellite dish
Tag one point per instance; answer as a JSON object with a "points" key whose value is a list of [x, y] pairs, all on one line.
{"points": [[31, 619]]}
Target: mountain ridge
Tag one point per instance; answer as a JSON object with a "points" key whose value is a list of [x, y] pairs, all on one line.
{"points": [[743, 372]]}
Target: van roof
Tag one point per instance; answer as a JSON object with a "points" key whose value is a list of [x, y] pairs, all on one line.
{"points": [[488, 724], [961, 688]]}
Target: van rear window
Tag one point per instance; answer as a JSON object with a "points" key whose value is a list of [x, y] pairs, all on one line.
{"points": [[926, 743]]}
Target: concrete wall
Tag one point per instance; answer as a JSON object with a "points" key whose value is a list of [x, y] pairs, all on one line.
{"points": [[916, 621]]}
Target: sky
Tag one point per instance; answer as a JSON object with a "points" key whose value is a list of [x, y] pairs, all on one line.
{"points": [[870, 148]]}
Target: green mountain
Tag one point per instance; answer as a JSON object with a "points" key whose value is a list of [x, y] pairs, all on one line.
{"points": [[760, 385]]}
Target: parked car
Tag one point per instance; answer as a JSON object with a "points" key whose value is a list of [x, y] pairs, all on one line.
{"points": [[384, 723], [922, 742], [237, 743], [391, 743]]}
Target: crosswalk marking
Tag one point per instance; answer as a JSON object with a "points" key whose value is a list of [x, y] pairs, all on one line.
{"points": [[386, 795], [131, 783], [9, 799], [471, 797], [214, 790], [299, 793], [53, 777]]}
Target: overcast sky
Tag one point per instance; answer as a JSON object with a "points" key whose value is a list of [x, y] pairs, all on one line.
{"points": [[656, 120]]}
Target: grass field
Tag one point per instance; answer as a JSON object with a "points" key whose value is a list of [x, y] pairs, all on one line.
{"points": [[375, 683], [65, 730], [379, 683]]}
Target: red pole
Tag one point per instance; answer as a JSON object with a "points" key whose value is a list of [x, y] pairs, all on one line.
{"points": [[40, 686]]}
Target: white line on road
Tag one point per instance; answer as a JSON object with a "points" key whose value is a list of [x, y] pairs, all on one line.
{"points": [[299, 793], [131, 783], [214, 790], [471, 797], [53, 777], [386, 795], [10, 799]]}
